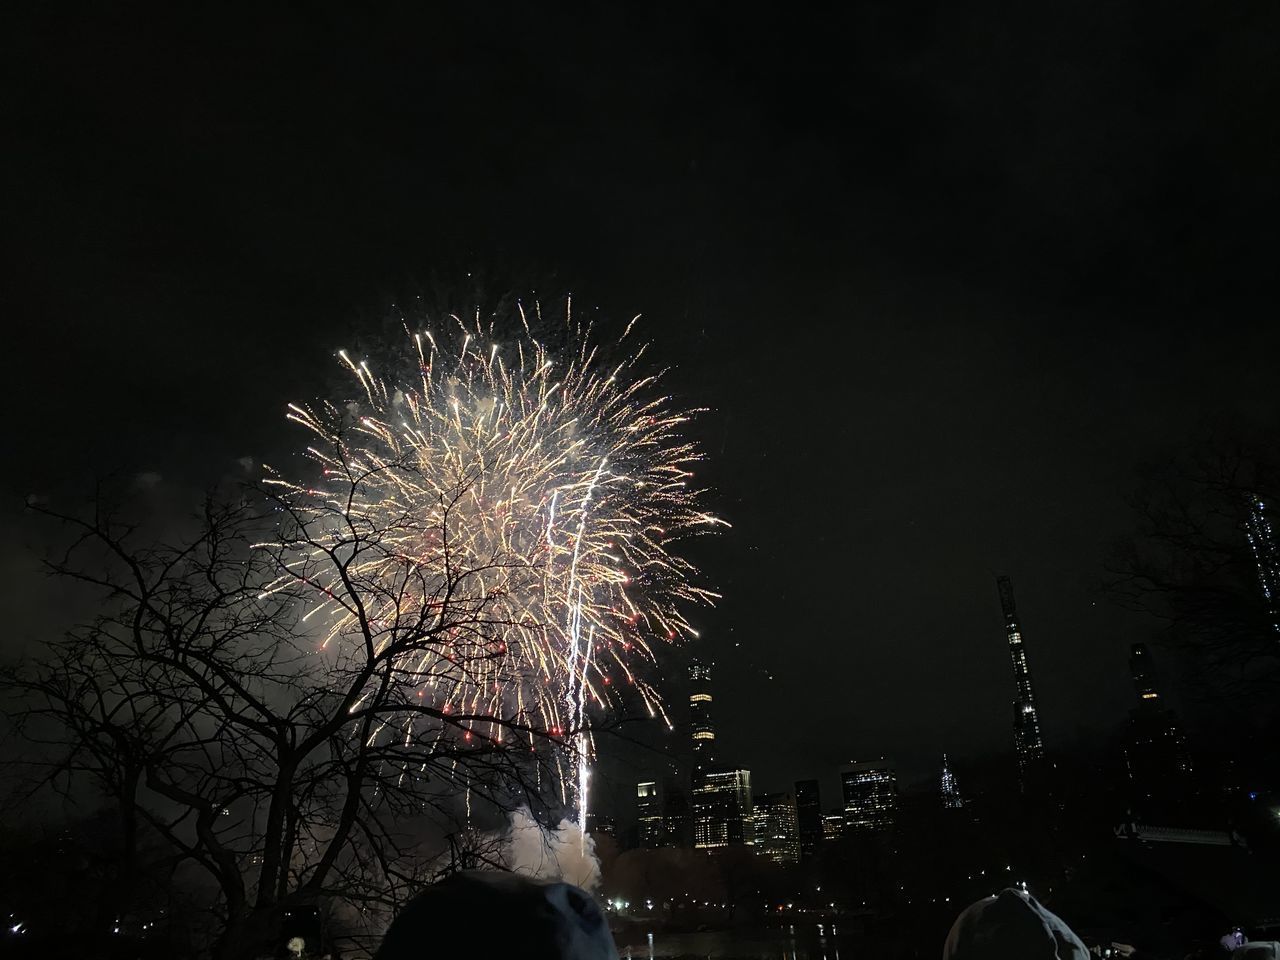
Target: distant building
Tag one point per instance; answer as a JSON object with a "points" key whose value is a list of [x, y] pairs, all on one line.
{"points": [[777, 834], [1142, 672], [832, 826], [1027, 741], [649, 814], [808, 817], [720, 793], [1155, 749], [602, 825], [948, 788], [870, 797], [677, 813], [700, 716], [722, 811]]}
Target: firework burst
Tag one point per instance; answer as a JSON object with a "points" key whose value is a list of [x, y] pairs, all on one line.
{"points": [[543, 490]]}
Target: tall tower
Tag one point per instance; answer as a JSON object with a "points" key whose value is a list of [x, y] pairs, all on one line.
{"points": [[720, 793], [948, 788], [704, 734], [1027, 742], [1266, 555]]}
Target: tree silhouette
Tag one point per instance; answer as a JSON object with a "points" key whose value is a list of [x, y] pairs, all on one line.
{"points": [[201, 704], [1196, 563]]}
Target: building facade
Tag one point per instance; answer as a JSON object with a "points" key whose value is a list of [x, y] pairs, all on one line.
{"points": [[722, 809], [777, 832], [870, 798]]}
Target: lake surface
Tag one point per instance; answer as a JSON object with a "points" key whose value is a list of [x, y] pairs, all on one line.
{"points": [[798, 942]]}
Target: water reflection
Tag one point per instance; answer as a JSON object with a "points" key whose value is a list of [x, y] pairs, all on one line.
{"points": [[806, 942]]}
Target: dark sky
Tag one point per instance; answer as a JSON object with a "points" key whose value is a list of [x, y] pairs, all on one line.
{"points": [[946, 274]]}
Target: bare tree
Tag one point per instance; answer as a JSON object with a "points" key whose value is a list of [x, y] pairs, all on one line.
{"points": [[1199, 560], [277, 696]]}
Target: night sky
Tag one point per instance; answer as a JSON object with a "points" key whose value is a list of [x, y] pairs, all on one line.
{"points": [[946, 275]]}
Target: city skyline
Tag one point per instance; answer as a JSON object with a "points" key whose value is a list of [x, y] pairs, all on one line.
{"points": [[792, 823], [790, 826], [1026, 746], [1155, 750]]}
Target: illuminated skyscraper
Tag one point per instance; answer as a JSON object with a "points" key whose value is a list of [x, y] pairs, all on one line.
{"points": [[601, 825], [1266, 555], [777, 834], [948, 787], [1027, 742], [704, 734], [722, 811], [870, 797], [808, 817]]}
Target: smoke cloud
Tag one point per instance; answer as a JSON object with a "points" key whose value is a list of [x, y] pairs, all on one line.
{"points": [[560, 853]]}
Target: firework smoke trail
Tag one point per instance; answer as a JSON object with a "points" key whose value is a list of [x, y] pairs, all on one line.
{"points": [[559, 486]]}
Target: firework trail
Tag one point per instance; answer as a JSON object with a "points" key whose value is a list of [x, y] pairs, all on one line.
{"points": [[561, 486]]}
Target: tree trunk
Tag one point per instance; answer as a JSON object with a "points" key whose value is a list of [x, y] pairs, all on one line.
{"points": [[275, 858]]}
